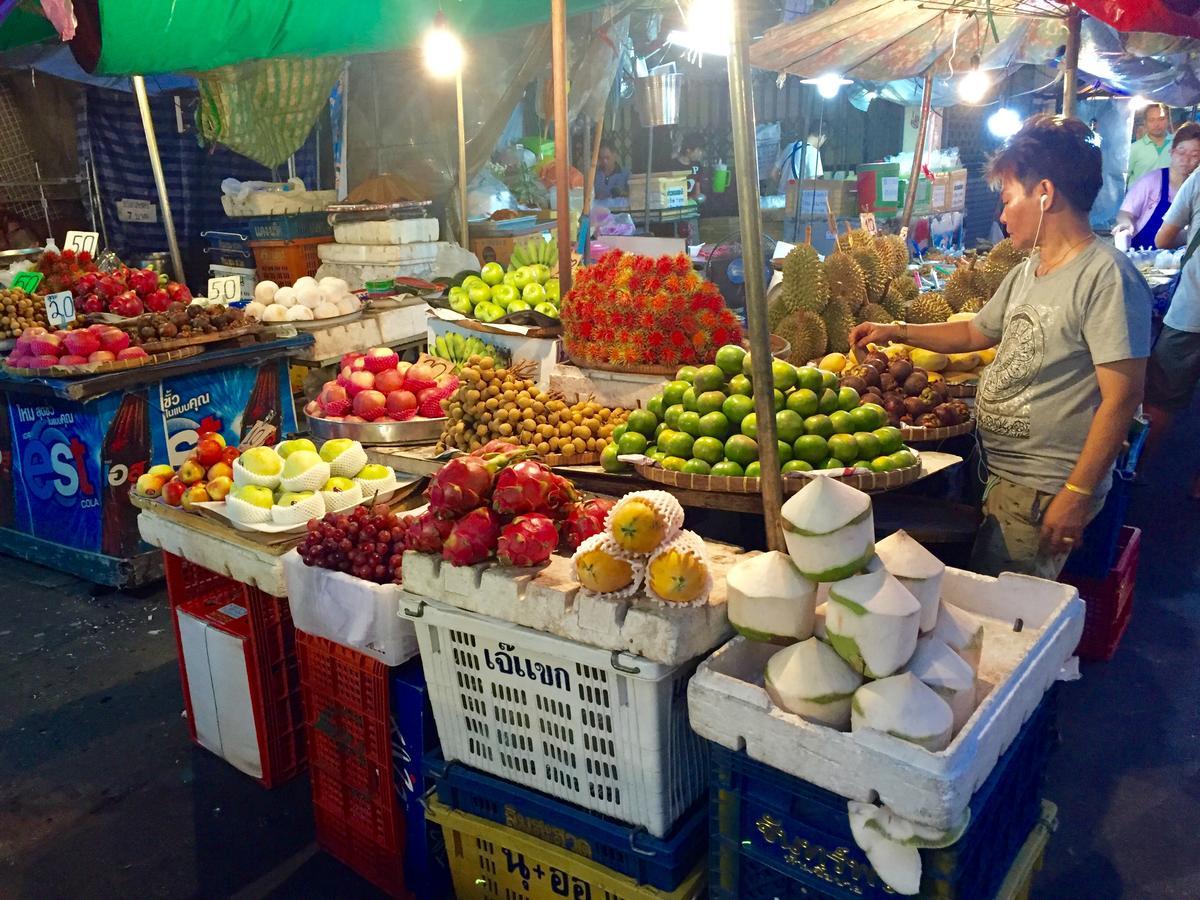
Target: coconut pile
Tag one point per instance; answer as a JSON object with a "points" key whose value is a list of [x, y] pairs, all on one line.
{"points": [[305, 300], [882, 653]]}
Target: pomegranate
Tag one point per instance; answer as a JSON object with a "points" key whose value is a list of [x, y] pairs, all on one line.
{"points": [[473, 538], [527, 540], [584, 520]]}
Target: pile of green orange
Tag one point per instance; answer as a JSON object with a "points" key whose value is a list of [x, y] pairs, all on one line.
{"points": [[703, 422]]}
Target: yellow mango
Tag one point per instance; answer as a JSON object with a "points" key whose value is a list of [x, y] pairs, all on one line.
{"points": [[928, 360]]}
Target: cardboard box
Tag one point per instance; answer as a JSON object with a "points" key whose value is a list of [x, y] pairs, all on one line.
{"points": [[922, 206], [668, 190], [878, 187], [499, 248], [939, 195], [815, 193], [958, 189]]}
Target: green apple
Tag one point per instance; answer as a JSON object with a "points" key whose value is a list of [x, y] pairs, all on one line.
{"points": [[287, 448], [331, 450], [524, 276], [492, 274], [510, 277], [534, 293], [488, 312], [254, 494], [374, 472], [291, 498], [461, 304], [547, 309], [262, 461], [337, 484], [479, 293], [504, 294], [518, 306], [552, 289], [300, 462], [471, 280], [541, 273]]}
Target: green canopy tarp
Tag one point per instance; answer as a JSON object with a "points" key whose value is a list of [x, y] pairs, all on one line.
{"points": [[126, 37]]}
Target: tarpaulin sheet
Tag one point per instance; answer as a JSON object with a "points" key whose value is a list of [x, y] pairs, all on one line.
{"points": [[1178, 17]]}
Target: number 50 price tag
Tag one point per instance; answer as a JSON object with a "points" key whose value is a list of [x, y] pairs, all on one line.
{"points": [[81, 241], [60, 309], [225, 289]]}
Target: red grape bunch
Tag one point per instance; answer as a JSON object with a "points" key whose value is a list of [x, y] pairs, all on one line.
{"points": [[365, 543]]}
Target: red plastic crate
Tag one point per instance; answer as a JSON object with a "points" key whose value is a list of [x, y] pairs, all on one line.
{"points": [[274, 682], [348, 717], [1109, 600]]}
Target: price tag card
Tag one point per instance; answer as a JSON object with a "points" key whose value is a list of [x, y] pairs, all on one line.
{"points": [[27, 281], [904, 233], [867, 220], [81, 241], [60, 309], [225, 289]]}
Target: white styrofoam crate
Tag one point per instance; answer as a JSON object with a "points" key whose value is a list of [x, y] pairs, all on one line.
{"points": [[379, 254], [728, 705], [598, 728], [356, 275], [257, 568], [405, 323], [334, 341], [548, 598], [277, 203], [349, 611], [391, 231]]}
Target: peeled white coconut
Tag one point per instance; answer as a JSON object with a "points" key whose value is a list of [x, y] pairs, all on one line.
{"points": [[254, 310], [309, 295], [333, 287], [275, 313], [304, 281], [948, 674], [829, 529], [962, 632], [769, 600], [897, 864], [812, 681], [326, 310], [819, 631], [264, 292], [346, 304], [904, 707], [917, 569], [286, 296], [872, 622], [299, 313]]}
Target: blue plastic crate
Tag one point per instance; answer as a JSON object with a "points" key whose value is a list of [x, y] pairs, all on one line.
{"points": [[288, 228], [775, 837], [1101, 539], [662, 863], [227, 240], [414, 738]]}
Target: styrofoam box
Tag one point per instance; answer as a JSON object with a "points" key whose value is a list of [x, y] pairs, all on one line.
{"points": [[727, 704], [598, 728], [549, 599], [393, 231], [405, 323], [258, 568], [379, 254], [277, 203], [357, 275], [349, 611]]}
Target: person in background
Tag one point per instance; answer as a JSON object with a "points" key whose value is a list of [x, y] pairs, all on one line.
{"points": [[1073, 327], [611, 180], [1149, 197], [1153, 149], [691, 158], [797, 161]]}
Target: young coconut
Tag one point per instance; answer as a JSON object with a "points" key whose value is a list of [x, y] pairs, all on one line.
{"points": [[962, 632], [812, 681], [819, 631], [917, 569], [898, 865], [872, 621], [905, 708], [829, 529], [948, 674], [896, 828], [769, 600]]}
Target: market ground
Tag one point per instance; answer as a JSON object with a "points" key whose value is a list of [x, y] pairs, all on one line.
{"points": [[102, 794]]}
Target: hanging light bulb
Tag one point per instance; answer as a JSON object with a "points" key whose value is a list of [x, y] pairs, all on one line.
{"points": [[827, 85], [1004, 123], [975, 84], [442, 49], [1138, 103]]}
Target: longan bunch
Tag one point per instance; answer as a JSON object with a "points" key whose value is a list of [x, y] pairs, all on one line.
{"points": [[18, 311], [496, 403]]}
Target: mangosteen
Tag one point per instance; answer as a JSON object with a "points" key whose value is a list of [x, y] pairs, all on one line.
{"points": [[900, 369], [929, 420], [941, 389], [167, 330], [906, 420], [915, 383], [867, 373], [854, 381], [887, 382], [946, 414], [915, 406], [877, 358]]}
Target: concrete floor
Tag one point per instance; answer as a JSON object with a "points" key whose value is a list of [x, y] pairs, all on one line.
{"points": [[103, 795]]}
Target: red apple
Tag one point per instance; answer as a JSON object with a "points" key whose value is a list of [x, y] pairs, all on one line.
{"points": [[46, 345], [132, 353], [173, 491], [399, 401], [230, 454], [209, 452], [114, 340], [330, 391], [41, 362], [81, 343], [369, 405], [72, 360], [388, 380], [102, 356], [360, 381], [99, 328], [218, 469]]}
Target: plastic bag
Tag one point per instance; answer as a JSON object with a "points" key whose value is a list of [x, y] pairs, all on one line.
{"points": [[487, 193]]}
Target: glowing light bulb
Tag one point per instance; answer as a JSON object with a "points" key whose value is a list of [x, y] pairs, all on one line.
{"points": [[829, 85], [442, 50], [1004, 122], [974, 85]]}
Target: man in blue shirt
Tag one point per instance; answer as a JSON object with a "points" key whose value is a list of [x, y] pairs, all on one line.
{"points": [[611, 180]]}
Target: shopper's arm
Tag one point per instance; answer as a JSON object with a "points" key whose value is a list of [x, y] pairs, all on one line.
{"points": [[1121, 386], [1169, 237], [940, 337], [1125, 220]]}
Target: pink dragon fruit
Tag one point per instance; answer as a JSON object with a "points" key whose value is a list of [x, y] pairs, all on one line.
{"points": [[524, 487], [527, 540], [427, 533], [473, 538], [584, 520], [466, 482]]}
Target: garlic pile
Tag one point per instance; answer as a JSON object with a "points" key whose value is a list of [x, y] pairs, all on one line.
{"points": [[305, 300]]}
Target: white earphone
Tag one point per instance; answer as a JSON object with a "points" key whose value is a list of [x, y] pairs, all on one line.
{"points": [[1043, 201]]}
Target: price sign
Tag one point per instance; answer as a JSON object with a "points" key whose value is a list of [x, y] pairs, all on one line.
{"points": [[904, 233], [225, 289], [27, 281], [81, 241], [867, 220], [60, 309]]}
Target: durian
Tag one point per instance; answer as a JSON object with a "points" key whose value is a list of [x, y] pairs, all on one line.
{"points": [[1004, 256], [776, 311], [838, 325], [893, 253], [877, 280], [805, 331], [900, 292], [804, 284], [928, 307], [965, 284], [873, 312], [974, 305], [860, 239], [846, 280]]}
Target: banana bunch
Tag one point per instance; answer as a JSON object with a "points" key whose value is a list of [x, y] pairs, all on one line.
{"points": [[534, 252], [457, 349]]}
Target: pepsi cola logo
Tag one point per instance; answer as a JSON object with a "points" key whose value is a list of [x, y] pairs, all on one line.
{"points": [[53, 465]]}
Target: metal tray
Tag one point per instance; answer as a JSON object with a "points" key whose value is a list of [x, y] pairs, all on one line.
{"points": [[414, 431]]}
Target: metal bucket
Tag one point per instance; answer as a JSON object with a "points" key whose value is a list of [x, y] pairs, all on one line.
{"points": [[656, 98]]}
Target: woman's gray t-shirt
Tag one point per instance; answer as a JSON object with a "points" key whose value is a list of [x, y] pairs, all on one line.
{"points": [[1036, 400]]}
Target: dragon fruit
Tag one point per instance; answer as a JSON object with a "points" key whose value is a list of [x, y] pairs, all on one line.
{"points": [[466, 482], [473, 538], [525, 487], [496, 446], [584, 520], [527, 540], [427, 533]]}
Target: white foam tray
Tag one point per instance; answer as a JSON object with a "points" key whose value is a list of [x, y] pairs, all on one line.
{"points": [[549, 599], [728, 705], [258, 568], [349, 611]]}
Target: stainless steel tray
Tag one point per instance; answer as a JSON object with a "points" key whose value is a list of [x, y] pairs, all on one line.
{"points": [[414, 431]]}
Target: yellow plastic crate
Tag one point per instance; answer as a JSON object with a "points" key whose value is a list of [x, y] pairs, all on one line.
{"points": [[1019, 880], [489, 860]]}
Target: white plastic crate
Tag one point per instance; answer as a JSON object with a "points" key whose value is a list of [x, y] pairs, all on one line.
{"points": [[602, 729]]}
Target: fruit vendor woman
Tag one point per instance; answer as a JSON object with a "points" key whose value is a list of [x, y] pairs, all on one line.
{"points": [[1073, 329]]}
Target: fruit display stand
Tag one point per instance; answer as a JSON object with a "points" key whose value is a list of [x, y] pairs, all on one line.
{"points": [[544, 352], [73, 448]]}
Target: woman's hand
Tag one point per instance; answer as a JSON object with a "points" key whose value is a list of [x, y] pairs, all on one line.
{"points": [[873, 333]]}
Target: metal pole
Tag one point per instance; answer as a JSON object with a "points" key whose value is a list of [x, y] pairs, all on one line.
{"points": [[160, 182], [462, 163], [562, 139], [918, 151], [745, 156], [649, 166], [1071, 62], [37, 171]]}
